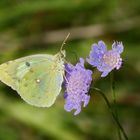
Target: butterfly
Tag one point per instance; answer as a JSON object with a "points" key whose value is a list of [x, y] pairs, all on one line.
{"points": [[36, 78]]}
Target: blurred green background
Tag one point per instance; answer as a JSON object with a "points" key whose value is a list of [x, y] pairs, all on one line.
{"points": [[39, 26]]}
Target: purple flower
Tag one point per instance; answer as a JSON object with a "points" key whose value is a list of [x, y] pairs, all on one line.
{"points": [[106, 60], [77, 82]]}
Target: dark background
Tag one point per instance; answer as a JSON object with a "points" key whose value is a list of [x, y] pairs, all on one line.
{"points": [[39, 26]]}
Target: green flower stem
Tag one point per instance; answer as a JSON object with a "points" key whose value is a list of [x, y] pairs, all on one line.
{"points": [[114, 100], [112, 113]]}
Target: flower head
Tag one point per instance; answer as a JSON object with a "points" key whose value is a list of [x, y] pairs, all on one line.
{"points": [[77, 82], [105, 60]]}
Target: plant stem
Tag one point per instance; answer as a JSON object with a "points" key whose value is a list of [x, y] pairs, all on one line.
{"points": [[112, 113], [114, 101]]}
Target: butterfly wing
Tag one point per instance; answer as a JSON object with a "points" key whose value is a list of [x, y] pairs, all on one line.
{"points": [[12, 72], [36, 78]]}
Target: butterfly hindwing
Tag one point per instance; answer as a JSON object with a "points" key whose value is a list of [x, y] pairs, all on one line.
{"points": [[36, 78]]}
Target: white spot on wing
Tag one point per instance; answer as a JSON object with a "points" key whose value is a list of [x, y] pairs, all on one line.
{"points": [[38, 80]]}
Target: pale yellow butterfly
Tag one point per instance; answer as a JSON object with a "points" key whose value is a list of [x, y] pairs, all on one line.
{"points": [[36, 78]]}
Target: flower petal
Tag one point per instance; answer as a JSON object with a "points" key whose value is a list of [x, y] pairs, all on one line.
{"points": [[86, 100], [94, 59], [104, 74], [102, 46], [118, 47], [99, 48]]}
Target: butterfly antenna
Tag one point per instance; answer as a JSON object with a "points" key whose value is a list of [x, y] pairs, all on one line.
{"points": [[64, 42]]}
